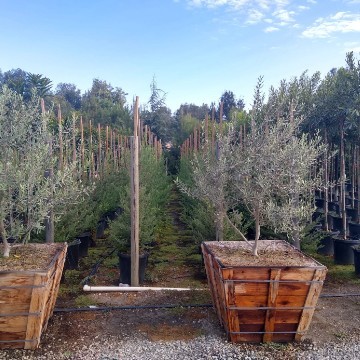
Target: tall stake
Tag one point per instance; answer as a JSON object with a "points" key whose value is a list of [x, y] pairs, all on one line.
{"points": [[50, 220], [134, 178], [99, 170], [92, 165], [82, 148], [61, 155], [221, 117], [342, 178]]}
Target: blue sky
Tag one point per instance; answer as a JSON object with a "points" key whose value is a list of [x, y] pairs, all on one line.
{"points": [[196, 49]]}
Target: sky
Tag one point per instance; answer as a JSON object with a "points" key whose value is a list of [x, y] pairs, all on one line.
{"points": [[195, 49]]}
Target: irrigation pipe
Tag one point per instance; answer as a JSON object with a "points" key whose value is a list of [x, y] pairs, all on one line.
{"points": [[160, 306], [130, 307], [133, 288]]}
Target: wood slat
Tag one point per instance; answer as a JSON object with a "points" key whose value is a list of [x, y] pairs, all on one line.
{"points": [[8, 279], [13, 327], [33, 327], [287, 294], [14, 301], [271, 302], [293, 288], [33, 293], [311, 300], [262, 301]]}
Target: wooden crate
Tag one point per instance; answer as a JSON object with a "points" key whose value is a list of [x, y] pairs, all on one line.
{"points": [[27, 301], [263, 303]]}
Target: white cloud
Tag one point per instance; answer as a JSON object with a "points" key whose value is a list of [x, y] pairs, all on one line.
{"points": [[303, 7], [284, 15], [278, 13], [270, 29], [254, 16], [341, 22]]}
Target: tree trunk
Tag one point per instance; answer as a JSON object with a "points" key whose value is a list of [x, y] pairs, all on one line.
{"points": [[219, 224], [326, 188], [358, 180], [342, 177], [257, 231], [7, 248]]}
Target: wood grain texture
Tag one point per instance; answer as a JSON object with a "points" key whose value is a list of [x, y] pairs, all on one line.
{"points": [[261, 304], [27, 301]]}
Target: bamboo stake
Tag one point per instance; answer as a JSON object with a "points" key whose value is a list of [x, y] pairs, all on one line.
{"points": [[82, 148], [114, 148], [206, 128], [73, 138], [99, 162], [92, 165], [61, 154], [213, 137], [326, 191], [50, 220], [221, 117], [195, 140]]}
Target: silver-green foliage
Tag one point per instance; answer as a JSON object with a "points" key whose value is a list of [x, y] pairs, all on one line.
{"points": [[27, 191], [270, 173]]}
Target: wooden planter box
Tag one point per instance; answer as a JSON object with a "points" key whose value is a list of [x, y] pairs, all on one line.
{"points": [[27, 300], [256, 303]]}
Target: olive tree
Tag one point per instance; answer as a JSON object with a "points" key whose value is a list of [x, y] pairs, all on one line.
{"points": [[27, 192], [271, 175]]}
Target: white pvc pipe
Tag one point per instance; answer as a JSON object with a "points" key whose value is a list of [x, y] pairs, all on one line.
{"points": [[131, 288]]}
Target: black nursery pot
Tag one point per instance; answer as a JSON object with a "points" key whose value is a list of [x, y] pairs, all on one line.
{"points": [[352, 213], [85, 241], [343, 252], [113, 214], [72, 255], [319, 203], [125, 267], [354, 230], [356, 250], [100, 229], [326, 246]]}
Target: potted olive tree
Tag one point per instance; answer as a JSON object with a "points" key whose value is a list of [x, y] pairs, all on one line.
{"points": [[30, 273], [263, 290]]}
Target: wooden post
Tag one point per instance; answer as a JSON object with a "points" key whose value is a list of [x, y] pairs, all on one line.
{"points": [[135, 226], [213, 130], [195, 140], [206, 128], [50, 220], [199, 136], [221, 117], [92, 165], [114, 148], [99, 150], [82, 148]]}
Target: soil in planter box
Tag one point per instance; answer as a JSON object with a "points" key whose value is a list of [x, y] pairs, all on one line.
{"points": [[271, 253], [29, 256]]}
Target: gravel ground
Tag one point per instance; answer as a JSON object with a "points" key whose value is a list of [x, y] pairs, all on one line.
{"points": [[207, 347]]}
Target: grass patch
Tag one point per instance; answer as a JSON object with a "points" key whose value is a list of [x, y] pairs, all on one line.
{"points": [[84, 301], [336, 273]]}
